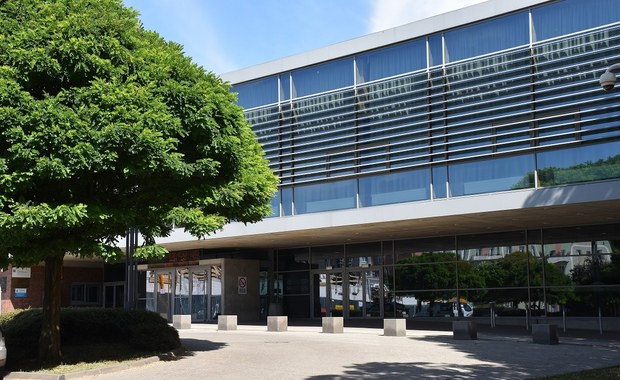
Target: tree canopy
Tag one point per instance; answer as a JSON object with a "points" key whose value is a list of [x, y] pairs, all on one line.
{"points": [[105, 126]]}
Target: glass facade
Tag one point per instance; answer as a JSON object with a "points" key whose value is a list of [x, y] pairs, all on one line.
{"points": [[555, 272], [500, 105], [503, 104], [194, 290]]}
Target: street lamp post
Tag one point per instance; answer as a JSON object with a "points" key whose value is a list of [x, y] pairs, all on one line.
{"points": [[608, 79]]}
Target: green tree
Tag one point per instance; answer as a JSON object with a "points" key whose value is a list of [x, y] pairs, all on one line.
{"points": [[106, 126]]}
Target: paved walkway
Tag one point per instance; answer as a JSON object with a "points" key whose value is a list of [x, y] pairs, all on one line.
{"points": [[304, 352]]}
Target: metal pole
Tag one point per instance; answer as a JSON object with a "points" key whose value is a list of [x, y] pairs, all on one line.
{"points": [[456, 271], [529, 291], [596, 274], [130, 269], [564, 317]]}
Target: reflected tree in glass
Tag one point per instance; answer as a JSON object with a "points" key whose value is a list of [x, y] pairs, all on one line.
{"points": [[595, 274], [435, 274], [508, 279]]}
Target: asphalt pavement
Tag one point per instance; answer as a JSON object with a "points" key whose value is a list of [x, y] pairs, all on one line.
{"points": [[305, 352]]}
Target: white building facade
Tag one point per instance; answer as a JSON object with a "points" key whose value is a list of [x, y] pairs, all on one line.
{"points": [[470, 156]]}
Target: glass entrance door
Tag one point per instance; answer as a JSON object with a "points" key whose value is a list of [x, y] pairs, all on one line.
{"points": [[336, 293], [356, 293], [215, 296], [352, 293], [200, 289], [327, 294], [195, 291], [364, 297], [181, 292], [373, 293], [164, 294]]}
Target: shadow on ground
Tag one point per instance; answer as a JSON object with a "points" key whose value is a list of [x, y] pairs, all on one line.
{"points": [[494, 359], [190, 346]]}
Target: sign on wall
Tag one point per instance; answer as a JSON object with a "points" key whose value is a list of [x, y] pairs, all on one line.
{"points": [[21, 292], [242, 282], [20, 272]]}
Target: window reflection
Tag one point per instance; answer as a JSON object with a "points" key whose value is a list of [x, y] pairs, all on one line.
{"points": [[576, 15], [391, 61], [500, 174], [579, 164], [486, 37], [406, 186], [538, 273], [216, 290], [325, 196]]}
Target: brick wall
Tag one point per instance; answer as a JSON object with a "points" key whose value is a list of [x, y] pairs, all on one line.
{"points": [[71, 274]]}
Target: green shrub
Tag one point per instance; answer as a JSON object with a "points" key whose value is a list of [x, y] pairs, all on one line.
{"points": [[140, 330], [21, 334]]}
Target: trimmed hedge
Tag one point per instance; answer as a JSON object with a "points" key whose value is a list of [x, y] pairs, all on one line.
{"points": [[142, 331]]}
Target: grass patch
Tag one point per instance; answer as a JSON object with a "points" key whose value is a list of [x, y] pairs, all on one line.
{"points": [[611, 373], [88, 356]]}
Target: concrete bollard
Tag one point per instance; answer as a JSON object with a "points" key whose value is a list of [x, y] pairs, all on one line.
{"points": [[182, 321], [333, 325], [464, 330], [226, 322], [395, 327], [277, 323], [545, 334]]}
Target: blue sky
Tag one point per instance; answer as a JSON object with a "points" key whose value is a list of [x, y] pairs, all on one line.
{"points": [[226, 35]]}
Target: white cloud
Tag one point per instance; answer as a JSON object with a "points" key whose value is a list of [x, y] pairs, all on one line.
{"points": [[387, 14]]}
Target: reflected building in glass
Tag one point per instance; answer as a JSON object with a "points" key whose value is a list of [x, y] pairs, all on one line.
{"points": [[468, 158]]}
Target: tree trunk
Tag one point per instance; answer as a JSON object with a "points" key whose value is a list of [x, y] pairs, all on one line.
{"points": [[49, 341]]}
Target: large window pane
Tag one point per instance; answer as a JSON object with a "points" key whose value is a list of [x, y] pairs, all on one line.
{"points": [[579, 164], [285, 86], [257, 93], [322, 78], [435, 50], [397, 187], [216, 290], [275, 204], [499, 174], [328, 257], [181, 292], [440, 179], [564, 17], [287, 201], [391, 61], [293, 259], [325, 196], [426, 272], [488, 36], [364, 255]]}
